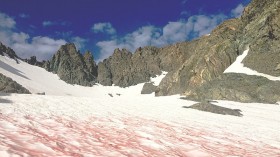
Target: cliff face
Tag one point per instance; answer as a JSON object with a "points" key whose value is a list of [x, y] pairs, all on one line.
{"points": [[125, 69], [257, 29], [72, 67], [208, 57], [192, 64], [261, 30]]}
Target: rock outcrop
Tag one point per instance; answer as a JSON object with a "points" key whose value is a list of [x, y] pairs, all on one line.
{"points": [[72, 67], [261, 30], [4, 50], [208, 107], [237, 87], [208, 57], [258, 29], [148, 88], [125, 69], [7, 85]]}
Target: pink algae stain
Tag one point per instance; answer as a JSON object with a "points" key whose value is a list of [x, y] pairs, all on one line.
{"points": [[64, 136]]}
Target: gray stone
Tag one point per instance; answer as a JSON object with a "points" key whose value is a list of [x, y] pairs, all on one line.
{"points": [[208, 107], [148, 88], [7, 85], [237, 87]]}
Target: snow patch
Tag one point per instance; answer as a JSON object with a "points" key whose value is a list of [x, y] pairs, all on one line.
{"points": [[238, 67], [156, 80]]}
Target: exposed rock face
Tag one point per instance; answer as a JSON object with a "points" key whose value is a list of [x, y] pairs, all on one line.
{"points": [[261, 30], [208, 57], [7, 85], [258, 28], [125, 69], [148, 88], [72, 67], [8, 51], [237, 87]]}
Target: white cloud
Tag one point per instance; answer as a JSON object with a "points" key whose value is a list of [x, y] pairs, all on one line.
{"points": [[172, 32], [237, 12], [6, 21], [41, 47], [24, 45], [103, 28]]}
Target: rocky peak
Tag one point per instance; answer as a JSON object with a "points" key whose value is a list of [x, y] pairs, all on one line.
{"points": [[71, 66]]}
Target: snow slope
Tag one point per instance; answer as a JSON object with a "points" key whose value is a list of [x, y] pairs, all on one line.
{"points": [[34, 125], [38, 80], [95, 121]]}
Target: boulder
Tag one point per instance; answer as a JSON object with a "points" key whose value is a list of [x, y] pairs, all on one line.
{"points": [[208, 107], [148, 88]]}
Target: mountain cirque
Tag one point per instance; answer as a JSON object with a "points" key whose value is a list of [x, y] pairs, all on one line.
{"points": [[191, 66]]}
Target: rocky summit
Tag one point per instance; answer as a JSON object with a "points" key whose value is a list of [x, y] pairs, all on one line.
{"points": [[72, 67]]}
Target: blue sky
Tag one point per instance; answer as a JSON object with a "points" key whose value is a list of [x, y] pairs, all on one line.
{"points": [[39, 27]]}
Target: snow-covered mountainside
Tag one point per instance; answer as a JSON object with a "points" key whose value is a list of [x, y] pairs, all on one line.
{"points": [[73, 120]]}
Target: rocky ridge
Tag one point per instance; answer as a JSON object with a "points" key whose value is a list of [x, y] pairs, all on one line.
{"points": [[4, 50]]}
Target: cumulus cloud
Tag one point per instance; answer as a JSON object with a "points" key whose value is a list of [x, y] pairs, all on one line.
{"points": [[25, 45], [172, 32], [103, 28], [41, 47], [237, 12]]}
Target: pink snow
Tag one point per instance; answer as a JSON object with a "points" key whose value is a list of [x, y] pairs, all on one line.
{"points": [[45, 136]]}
